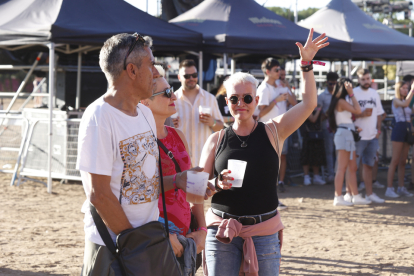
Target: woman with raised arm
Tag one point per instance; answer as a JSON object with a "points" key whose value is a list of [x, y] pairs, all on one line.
{"points": [[244, 227], [340, 121]]}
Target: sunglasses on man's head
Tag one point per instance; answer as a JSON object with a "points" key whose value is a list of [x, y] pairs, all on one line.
{"points": [[138, 38], [166, 93], [246, 98], [193, 75]]}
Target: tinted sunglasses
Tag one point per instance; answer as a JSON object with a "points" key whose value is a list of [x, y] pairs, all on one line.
{"points": [[166, 93], [193, 75], [138, 38], [246, 98], [331, 83]]}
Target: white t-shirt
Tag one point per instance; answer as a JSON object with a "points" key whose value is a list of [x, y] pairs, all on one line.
{"points": [[268, 93], [123, 147], [368, 99]]}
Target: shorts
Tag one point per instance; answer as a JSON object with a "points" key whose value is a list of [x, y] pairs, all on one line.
{"points": [[367, 150], [285, 146], [344, 139], [399, 131]]}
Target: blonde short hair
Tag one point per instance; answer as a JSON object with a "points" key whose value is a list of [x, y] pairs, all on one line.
{"points": [[240, 77]]}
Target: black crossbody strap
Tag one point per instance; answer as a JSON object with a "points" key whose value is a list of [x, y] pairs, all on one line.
{"points": [[405, 118], [102, 230], [163, 198], [170, 155]]}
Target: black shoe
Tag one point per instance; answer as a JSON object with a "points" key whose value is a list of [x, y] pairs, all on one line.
{"points": [[410, 186], [281, 187]]}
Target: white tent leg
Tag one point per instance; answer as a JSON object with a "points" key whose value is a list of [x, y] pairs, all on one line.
{"points": [[51, 101], [225, 65], [233, 66], [200, 69], [349, 68], [78, 81]]}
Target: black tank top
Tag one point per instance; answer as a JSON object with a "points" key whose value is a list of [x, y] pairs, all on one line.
{"points": [[258, 194]]}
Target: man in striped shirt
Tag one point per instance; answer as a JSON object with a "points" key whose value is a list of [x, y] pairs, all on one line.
{"points": [[198, 112]]}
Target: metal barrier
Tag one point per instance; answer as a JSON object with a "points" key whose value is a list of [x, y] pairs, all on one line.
{"points": [[64, 141]]}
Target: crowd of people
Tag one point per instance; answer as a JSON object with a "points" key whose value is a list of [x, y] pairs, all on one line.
{"points": [[140, 141]]}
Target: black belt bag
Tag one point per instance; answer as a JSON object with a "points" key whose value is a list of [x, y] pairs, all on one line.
{"points": [[245, 220], [354, 133], [142, 251]]}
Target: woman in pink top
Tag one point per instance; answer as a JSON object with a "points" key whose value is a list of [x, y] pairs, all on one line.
{"points": [[179, 210]]}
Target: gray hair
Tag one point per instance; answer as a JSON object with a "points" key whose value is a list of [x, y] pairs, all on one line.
{"points": [[237, 78], [114, 50]]}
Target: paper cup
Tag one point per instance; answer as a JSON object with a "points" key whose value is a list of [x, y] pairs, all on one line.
{"points": [[204, 109], [237, 168], [196, 186], [174, 116]]}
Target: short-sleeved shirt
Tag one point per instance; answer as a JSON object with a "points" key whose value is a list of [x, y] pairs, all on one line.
{"points": [[324, 101], [368, 99], [268, 93], [223, 107], [195, 132], [123, 147]]}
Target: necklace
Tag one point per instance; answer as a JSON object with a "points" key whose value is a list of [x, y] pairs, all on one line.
{"points": [[244, 143]]}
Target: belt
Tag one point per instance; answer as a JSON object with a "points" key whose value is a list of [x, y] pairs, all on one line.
{"points": [[245, 220]]}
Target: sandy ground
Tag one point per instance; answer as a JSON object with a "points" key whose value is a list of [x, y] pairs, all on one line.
{"points": [[42, 234]]}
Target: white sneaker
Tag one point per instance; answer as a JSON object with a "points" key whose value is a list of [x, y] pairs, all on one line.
{"points": [[402, 191], [317, 180], [281, 206], [348, 197], [374, 198], [361, 186], [307, 180], [378, 185], [359, 200], [390, 193], [340, 201]]}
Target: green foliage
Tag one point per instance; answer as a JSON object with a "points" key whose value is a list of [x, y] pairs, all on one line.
{"points": [[288, 13]]}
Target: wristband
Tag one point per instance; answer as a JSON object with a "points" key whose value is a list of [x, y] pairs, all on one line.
{"points": [[378, 131], [304, 63], [174, 184], [202, 228], [218, 189], [351, 95], [215, 122]]}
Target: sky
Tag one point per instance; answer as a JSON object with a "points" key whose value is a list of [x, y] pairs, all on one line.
{"points": [[302, 5]]}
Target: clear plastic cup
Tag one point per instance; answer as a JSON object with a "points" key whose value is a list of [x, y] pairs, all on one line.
{"points": [[237, 168], [204, 109], [174, 116], [196, 186]]}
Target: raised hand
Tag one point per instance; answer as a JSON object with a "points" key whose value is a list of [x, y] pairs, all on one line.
{"points": [[308, 52], [348, 87]]}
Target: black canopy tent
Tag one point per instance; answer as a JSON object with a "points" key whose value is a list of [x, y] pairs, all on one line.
{"points": [[370, 40], [61, 24], [244, 26]]}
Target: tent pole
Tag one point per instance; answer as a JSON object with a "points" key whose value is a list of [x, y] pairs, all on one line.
{"points": [[364, 65], [386, 81], [349, 68], [78, 82], [225, 64], [51, 100], [294, 74], [233, 66], [200, 69]]}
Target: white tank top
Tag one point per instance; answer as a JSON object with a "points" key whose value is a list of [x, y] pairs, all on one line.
{"points": [[343, 117]]}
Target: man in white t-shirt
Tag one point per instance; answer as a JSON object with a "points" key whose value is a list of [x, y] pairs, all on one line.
{"points": [[274, 98], [370, 122], [117, 149]]}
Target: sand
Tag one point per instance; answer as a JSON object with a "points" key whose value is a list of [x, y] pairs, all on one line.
{"points": [[42, 234]]}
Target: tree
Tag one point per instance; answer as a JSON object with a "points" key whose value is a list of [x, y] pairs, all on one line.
{"points": [[288, 13]]}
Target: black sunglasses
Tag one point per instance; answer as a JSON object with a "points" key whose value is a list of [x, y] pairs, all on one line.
{"points": [[246, 98], [331, 83], [139, 38], [166, 93], [187, 76]]}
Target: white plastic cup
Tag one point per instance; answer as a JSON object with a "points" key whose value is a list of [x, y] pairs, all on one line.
{"points": [[237, 168], [196, 186], [204, 109], [174, 116]]}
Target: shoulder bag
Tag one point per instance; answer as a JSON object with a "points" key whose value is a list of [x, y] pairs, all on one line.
{"points": [[409, 138]]}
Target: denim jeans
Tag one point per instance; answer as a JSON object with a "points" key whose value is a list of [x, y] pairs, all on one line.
{"points": [[328, 138], [225, 259]]}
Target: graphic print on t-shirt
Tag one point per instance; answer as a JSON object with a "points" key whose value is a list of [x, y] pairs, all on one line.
{"points": [[140, 178], [368, 103]]}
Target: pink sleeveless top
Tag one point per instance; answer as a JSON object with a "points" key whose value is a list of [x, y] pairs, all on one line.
{"points": [[179, 214]]}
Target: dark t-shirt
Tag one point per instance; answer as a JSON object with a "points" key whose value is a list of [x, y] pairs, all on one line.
{"points": [[224, 109]]}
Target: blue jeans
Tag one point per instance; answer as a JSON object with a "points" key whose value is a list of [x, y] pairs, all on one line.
{"points": [[328, 138], [367, 150], [225, 259]]}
